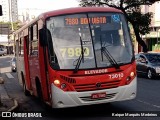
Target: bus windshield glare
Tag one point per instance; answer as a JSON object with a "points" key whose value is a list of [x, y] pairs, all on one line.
{"points": [[95, 33]]}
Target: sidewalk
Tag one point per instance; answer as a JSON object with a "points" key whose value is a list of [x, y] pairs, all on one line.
{"points": [[7, 104]]}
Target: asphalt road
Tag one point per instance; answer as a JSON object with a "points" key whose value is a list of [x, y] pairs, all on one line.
{"points": [[147, 100]]}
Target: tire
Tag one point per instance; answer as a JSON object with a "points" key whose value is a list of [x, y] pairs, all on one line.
{"points": [[149, 74], [26, 92], [39, 92], [40, 98]]}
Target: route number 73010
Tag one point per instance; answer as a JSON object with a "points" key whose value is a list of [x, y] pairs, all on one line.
{"points": [[116, 75]]}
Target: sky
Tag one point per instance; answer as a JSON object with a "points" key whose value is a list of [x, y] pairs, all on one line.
{"points": [[38, 6], [46, 4]]}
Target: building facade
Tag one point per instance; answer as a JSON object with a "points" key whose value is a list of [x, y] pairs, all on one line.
{"points": [[10, 11], [10, 14], [153, 38]]}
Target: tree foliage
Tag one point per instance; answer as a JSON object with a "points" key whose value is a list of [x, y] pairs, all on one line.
{"points": [[132, 11]]}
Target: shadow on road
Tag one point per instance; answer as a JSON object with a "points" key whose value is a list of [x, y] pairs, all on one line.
{"points": [[144, 77], [82, 112], [102, 110]]}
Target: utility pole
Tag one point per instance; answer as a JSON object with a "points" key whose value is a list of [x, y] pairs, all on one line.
{"points": [[10, 14]]}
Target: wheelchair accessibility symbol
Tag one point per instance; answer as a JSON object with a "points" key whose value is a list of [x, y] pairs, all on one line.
{"points": [[116, 18]]}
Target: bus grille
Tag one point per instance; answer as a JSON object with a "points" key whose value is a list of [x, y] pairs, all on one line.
{"points": [[92, 87], [69, 80], [88, 98]]}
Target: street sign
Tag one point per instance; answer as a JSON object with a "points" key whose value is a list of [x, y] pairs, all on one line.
{"points": [[5, 29]]}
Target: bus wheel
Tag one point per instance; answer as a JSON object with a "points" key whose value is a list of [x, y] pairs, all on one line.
{"points": [[39, 92], [40, 97], [26, 92]]}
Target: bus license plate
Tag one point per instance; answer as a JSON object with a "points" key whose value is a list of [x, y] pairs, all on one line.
{"points": [[98, 95]]}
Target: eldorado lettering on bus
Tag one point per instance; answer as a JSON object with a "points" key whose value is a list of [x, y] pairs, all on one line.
{"points": [[96, 71]]}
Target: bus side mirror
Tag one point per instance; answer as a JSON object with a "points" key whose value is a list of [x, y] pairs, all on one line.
{"points": [[42, 37], [1, 10]]}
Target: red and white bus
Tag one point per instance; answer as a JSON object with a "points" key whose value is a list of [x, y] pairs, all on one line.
{"points": [[77, 56]]}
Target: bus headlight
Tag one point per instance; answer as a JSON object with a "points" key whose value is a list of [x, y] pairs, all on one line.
{"points": [[56, 82], [130, 77], [132, 74]]}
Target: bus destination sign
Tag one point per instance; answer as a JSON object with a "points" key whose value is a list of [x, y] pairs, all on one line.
{"points": [[85, 20]]}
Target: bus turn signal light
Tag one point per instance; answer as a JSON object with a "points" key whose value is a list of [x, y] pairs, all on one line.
{"points": [[56, 82], [132, 74], [130, 77]]}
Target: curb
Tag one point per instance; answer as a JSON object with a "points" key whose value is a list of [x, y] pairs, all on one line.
{"points": [[14, 107]]}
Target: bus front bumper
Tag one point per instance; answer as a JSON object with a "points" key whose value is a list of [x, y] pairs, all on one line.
{"points": [[61, 99]]}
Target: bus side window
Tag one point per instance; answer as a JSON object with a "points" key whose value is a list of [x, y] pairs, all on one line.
{"points": [[19, 47], [21, 43], [33, 40], [27, 44], [30, 39], [22, 47], [34, 46]]}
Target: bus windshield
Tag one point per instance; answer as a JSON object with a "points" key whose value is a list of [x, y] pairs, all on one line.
{"points": [[95, 33]]}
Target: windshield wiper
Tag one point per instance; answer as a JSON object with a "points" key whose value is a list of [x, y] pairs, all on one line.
{"points": [[108, 56], [81, 57]]}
